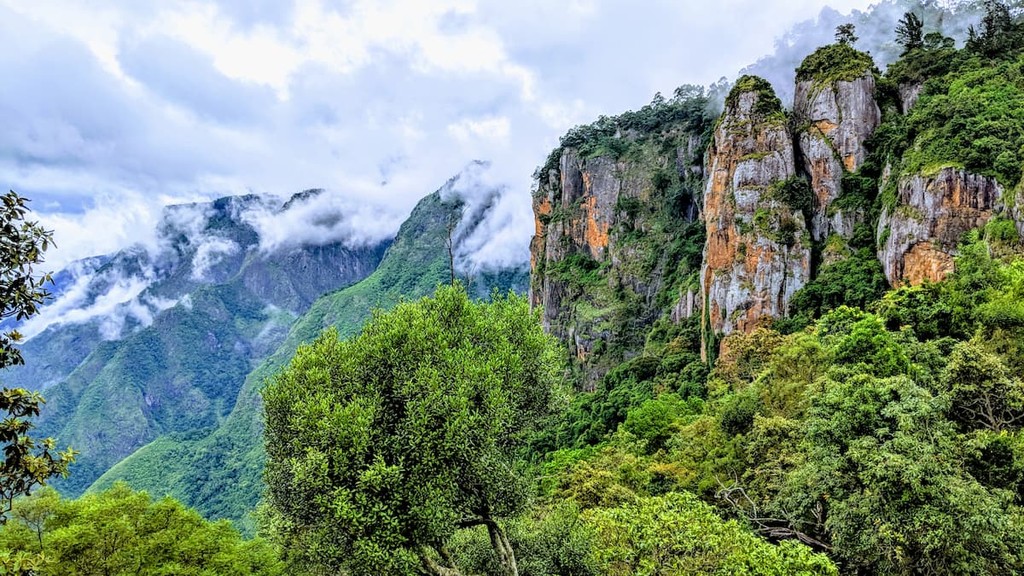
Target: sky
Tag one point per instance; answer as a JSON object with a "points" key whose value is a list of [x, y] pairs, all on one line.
{"points": [[114, 109]]}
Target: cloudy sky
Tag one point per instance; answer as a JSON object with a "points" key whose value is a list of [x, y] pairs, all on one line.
{"points": [[113, 109]]}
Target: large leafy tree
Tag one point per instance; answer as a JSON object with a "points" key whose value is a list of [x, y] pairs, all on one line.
{"points": [[26, 463], [380, 447]]}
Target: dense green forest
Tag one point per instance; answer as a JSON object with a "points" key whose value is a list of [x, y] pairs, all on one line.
{"points": [[875, 430]]}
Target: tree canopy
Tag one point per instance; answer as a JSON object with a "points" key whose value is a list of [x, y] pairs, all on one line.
{"points": [[380, 447], [120, 532]]}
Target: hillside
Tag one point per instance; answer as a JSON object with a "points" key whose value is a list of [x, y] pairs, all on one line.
{"points": [[218, 471], [861, 250], [208, 304]]}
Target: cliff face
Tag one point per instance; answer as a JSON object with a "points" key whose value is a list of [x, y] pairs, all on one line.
{"points": [[611, 224], [758, 247], [836, 119], [918, 236]]}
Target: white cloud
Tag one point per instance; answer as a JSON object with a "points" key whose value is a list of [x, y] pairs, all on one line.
{"points": [[490, 129], [318, 219], [209, 253], [111, 308], [119, 107]]}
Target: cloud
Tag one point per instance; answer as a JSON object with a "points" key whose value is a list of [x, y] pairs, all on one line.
{"points": [[318, 218], [135, 105], [209, 253], [112, 307], [186, 77]]}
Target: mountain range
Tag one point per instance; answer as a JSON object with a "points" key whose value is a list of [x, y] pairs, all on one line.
{"points": [[151, 358]]}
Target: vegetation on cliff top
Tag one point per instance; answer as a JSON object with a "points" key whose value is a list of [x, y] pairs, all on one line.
{"points": [[834, 63], [767, 103], [686, 111], [970, 113]]}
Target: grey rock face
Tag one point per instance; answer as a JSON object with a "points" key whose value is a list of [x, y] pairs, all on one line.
{"points": [[835, 119], [757, 252], [918, 237], [909, 93]]}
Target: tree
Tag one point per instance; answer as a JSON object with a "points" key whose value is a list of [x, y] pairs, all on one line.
{"points": [[910, 33], [845, 34], [120, 531], [25, 464], [381, 447], [998, 35], [22, 244], [982, 391], [881, 481], [677, 534]]}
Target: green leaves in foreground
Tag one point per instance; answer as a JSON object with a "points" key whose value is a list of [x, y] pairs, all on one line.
{"points": [[120, 532], [382, 446]]}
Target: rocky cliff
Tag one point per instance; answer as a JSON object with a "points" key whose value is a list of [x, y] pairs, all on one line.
{"points": [[758, 250], [616, 233], [789, 201], [919, 233], [834, 118]]}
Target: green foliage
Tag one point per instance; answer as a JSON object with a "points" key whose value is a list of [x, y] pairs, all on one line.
{"points": [[119, 532], [22, 291], [910, 33], [737, 415], [381, 446], [26, 464], [767, 104], [838, 62], [879, 453], [652, 422], [983, 393], [920, 309], [795, 192], [676, 535], [576, 269], [555, 541], [687, 110], [999, 35], [872, 348], [846, 34], [932, 59], [857, 280]]}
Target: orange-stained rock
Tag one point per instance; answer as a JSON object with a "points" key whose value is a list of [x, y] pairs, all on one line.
{"points": [[926, 262], [918, 237], [583, 210], [757, 252], [541, 208], [596, 236]]}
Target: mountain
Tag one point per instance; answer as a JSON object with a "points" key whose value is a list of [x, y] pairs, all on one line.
{"points": [[158, 339], [858, 185], [617, 231], [218, 470]]}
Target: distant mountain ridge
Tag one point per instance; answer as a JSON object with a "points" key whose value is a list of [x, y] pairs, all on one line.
{"points": [[158, 339], [152, 358], [218, 471]]}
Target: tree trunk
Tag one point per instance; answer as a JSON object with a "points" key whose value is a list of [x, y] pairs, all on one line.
{"points": [[501, 545], [433, 568]]}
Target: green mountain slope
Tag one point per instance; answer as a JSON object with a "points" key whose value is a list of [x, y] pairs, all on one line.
{"points": [[219, 473], [183, 371]]}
